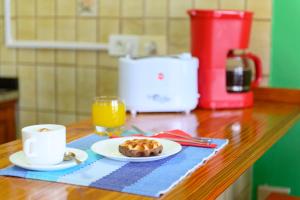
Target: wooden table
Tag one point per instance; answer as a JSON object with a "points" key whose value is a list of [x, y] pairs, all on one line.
{"points": [[274, 112]]}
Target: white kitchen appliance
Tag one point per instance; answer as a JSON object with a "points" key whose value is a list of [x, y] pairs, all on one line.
{"points": [[159, 84]]}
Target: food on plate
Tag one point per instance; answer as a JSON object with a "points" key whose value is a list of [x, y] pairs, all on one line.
{"points": [[140, 148]]}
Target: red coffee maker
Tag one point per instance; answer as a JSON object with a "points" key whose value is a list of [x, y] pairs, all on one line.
{"points": [[215, 34]]}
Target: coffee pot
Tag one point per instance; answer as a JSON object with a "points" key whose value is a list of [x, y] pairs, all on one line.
{"points": [[215, 34], [239, 72]]}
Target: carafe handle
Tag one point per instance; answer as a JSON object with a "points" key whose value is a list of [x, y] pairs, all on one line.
{"points": [[258, 68]]}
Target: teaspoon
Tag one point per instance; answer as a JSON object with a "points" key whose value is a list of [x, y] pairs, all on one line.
{"points": [[71, 156]]}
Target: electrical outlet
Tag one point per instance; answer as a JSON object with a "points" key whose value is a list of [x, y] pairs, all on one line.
{"points": [[137, 45], [120, 45], [152, 45]]}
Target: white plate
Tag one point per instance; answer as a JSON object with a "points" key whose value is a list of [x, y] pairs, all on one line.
{"points": [[110, 148], [19, 160]]}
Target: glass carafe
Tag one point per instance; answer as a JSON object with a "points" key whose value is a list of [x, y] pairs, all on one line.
{"points": [[239, 72]]}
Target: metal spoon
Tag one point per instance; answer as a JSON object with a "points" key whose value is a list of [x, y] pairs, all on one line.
{"points": [[71, 156]]}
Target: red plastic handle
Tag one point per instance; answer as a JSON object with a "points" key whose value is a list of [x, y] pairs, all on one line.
{"points": [[258, 68]]}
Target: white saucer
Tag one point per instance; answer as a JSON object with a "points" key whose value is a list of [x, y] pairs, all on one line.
{"points": [[110, 148], [19, 160]]}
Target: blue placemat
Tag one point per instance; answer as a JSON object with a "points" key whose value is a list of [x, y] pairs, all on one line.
{"points": [[135, 178]]}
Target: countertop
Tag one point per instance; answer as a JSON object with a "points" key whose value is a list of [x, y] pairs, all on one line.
{"points": [[8, 95], [251, 132]]}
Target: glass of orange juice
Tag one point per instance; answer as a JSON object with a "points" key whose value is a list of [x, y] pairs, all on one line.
{"points": [[109, 114]]}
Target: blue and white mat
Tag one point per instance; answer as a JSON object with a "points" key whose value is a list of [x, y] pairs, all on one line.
{"points": [[135, 178]]}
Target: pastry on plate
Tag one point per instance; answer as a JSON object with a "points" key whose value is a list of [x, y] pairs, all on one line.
{"points": [[140, 148]]}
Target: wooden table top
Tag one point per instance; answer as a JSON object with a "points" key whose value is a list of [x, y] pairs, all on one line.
{"points": [[261, 126]]}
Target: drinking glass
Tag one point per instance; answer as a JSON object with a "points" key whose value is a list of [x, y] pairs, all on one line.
{"points": [[109, 114]]}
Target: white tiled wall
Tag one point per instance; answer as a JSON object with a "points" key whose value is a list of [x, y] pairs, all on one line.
{"points": [[240, 190]]}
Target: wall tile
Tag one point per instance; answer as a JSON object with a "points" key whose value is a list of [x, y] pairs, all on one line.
{"points": [[261, 42], [179, 36], [228, 193], [109, 8], [155, 26], [8, 55], [261, 9], [46, 118], [8, 70], [65, 29], [245, 194], [45, 56], [26, 7], [13, 9], [240, 189], [156, 8], [65, 119], [242, 183], [65, 57], [206, 4], [133, 26], [14, 28], [82, 117], [45, 7], [66, 94], [221, 197], [1, 8], [1, 29], [108, 27], [27, 86], [178, 8], [107, 60], [45, 29], [232, 4], [27, 118], [66, 7], [86, 89], [26, 29], [132, 8], [26, 56], [46, 88], [86, 58], [87, 30], [107, 82]]}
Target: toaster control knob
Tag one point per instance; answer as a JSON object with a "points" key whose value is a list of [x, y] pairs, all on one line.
{"points": [[185, 56]]}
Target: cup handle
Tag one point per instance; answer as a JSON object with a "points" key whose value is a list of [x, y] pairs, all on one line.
{"points": [[27, 147], [258, 69]]}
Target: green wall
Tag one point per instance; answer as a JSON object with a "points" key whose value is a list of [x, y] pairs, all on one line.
{"points": [[285, 55], [280, 166]]}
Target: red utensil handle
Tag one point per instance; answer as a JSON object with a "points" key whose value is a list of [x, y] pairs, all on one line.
{"points": [[198, 145]]}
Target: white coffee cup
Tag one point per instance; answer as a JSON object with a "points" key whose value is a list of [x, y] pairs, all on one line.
{"points": [[44, 144]]}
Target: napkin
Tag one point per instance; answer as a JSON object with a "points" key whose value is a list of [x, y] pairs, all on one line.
{"points": [[178, 132], [182, 133]]}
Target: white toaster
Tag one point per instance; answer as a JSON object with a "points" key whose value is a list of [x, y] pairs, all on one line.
{"points": [[159, 84]]}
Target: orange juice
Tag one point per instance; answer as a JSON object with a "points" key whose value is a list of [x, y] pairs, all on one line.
{"points": [[108, 114]]}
